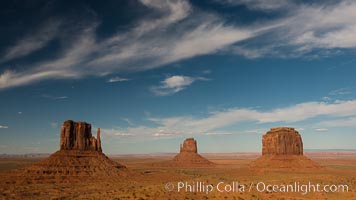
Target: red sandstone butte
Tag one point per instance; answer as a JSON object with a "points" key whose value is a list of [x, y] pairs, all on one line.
{"points": [[189, 157], [189, 145], [282, 141], [80, 155], [282, 148], [77, 136]]}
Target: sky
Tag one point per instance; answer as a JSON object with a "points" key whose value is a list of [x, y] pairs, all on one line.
{"points": [[151, 73]]}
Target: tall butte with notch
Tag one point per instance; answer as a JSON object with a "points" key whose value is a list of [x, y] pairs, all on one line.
{"points": [[188, 155], [80, 155], [282, 148]]}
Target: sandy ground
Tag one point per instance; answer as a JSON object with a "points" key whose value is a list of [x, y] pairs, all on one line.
{"points": [[231, 178]]}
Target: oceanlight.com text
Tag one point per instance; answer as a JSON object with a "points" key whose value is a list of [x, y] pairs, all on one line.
{"points": [[237, 187]]}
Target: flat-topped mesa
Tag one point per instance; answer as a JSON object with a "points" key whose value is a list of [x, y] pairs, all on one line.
{"points": [[282, 149], [282, 141], [189, 145], [78, 136]]}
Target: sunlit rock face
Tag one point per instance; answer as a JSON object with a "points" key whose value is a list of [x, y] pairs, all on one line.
{"points": [[282, 149], [188, 155], [189, 145], [80, 156], [282, 141]]}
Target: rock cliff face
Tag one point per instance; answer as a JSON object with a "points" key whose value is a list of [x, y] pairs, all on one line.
{"points": [[189, 157], [189, 145], [80, 156], [282, 141], [77, 136], [282, 149]]}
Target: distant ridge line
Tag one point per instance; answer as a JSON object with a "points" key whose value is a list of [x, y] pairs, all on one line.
{"points": [[315, 150], [35, 155]]}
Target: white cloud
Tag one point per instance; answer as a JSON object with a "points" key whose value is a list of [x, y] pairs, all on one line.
{"points": [[256, 131], [177, 81], [123, 134], [341, 91], [295, 113], [216, 122], [128, 121], [33, 41], [249, 52], [174, 84], [4, 127], [64, 67], [324, 26], [162, 133], [266, 5], [175, 11], [326, 98], [54, 97], [117, 79], [206, 71], [322, 130], [115, 132], [348, 122], [206, 38], [173, 32], [218, 133]]}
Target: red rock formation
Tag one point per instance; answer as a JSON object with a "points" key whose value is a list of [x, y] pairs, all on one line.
{"points": [[77, 136], [189, 157], [98, 142], [80, 155], [189, 145], [282, 149], [282, 141]]}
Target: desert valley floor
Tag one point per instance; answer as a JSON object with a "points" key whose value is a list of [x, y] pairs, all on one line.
{"points": [[145, 178]]}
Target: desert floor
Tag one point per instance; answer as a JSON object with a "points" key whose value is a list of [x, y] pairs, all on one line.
{"points": [[150, 181]]}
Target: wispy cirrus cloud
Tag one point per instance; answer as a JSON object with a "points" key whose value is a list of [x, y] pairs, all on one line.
{"points": [[174, 84], [341, 91], [265, 5], [115, 132], [172, 32], [4, 127], [215, 122], [326, 27], [310, 30], [321, 130], [128, 121], [117, 79], [256, 131], [33, 41], [149, 44], [63, 67], [161, 133], [218, 133], [344, 122], [47, 96]]}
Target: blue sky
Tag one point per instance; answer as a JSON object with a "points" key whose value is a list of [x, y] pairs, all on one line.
{"points": [[150, 73]]}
